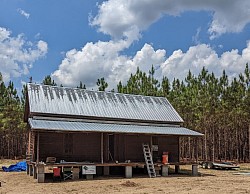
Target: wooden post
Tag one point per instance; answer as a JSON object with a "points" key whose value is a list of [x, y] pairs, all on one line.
{"points": [[28, 168], [37, 148], [196, 149], [151, 143], [35, 172], [29, 143], [177, 168], [102, 148], [31, 169], [32, 144]]}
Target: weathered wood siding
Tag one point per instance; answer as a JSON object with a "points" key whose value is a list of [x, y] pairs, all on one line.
{"points": [[129, 147], [169, 144], [133, 147], [51, 144], [86, 147]]}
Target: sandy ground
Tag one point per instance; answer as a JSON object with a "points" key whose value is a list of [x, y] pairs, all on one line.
{"points": [[209, 181]]}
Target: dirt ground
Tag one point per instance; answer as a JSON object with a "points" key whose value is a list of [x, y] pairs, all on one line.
{"points": [[209, 181]]}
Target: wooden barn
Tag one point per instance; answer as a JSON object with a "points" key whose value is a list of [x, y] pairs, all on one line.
{"points": [[103, 130]]}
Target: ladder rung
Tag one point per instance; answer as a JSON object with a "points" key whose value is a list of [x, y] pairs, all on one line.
{"points": [[148, 160]]}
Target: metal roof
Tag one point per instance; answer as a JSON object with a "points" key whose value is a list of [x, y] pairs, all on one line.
{"points": [[112, 128], [80, 102]]}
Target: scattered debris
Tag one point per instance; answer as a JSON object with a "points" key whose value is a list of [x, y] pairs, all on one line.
{"points": [[130, 184]]}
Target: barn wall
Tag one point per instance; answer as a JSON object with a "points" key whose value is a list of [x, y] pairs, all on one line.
{"points": [[86, 147], [133, 147], [51, 144], [129, 147], [169, 144]]}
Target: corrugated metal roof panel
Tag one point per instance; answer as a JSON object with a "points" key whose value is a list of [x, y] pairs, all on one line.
{"points": [[74, 101], [112, 128]]}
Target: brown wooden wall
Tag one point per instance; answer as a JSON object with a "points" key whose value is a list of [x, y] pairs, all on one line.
{"points": [[129, 147], [87, 147], [133, 147], [169, 144]]}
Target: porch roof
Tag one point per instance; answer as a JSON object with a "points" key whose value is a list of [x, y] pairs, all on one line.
{"points": [[74, 126]]}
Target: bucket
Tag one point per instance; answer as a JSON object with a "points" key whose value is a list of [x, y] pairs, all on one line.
{"points": [[165, 158]]}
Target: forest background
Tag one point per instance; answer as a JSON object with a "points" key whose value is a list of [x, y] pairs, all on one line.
{"points": [[218, 107]]}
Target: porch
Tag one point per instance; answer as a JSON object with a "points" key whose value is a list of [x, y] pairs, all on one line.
{"points": [[39, 170]]}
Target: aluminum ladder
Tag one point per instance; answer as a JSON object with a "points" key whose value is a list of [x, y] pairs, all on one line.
{"points": [[149, 160]]}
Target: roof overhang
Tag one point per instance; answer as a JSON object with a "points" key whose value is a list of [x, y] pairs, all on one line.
{"points": [[76, 126]]}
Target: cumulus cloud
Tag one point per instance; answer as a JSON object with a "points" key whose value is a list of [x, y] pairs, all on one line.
{"points": [[17, 55], [125, 20], [103, 60], [23, 13], [178, 64], [119, 18]]}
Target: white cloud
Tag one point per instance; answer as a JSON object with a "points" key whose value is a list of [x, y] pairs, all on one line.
{"points": [[119, 18], [179, 63], [124, 20], [196, 37], [24, 13], [102, 59], [17, 55]]}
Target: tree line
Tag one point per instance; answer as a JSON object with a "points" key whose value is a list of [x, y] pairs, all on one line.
{"points": [[12, 127], [218, 107]]}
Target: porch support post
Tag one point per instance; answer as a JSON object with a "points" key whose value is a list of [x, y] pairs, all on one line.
{"points": [[31, 169], [196, 149], [28, 168], [177, 168], [102, 148], [195, 169], [37, 148], [151, 143], [128, 171], [40, 173], [28, 153], [106, 170], [164, 170], [35, 172]]}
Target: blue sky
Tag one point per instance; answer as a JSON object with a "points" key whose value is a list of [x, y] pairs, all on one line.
{"points": [[83, 40]]}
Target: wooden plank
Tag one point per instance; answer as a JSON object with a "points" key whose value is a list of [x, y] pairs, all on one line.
{"points": [[29, 142], [102, 148], [76, 164], [37, 147]]}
